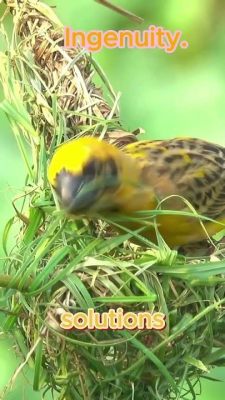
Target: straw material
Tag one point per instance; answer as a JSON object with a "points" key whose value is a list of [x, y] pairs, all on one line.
{"points": [[56, 264]]}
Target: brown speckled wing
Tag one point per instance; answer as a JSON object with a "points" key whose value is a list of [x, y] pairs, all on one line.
{"points": [[191, 168]]}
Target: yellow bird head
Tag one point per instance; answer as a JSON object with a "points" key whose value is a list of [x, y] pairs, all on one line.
{"points": [[89, 176]]}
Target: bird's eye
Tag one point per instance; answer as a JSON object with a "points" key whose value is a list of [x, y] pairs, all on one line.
{"points": [[111, 173], [92, 169], [105, 173], [111, 167]]}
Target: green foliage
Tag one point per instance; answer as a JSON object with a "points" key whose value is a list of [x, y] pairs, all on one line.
{"points": [[181, 94]]}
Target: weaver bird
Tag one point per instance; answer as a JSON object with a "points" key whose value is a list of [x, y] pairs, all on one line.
{"points": [[92, 177]]}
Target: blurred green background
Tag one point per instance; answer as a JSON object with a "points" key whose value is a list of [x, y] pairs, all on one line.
{"points": [[181, 94]]}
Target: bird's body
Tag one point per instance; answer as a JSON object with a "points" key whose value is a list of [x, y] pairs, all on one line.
{"points": [[94, 177]]}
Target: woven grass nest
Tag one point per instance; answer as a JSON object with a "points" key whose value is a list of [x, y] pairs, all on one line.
{"points": [[58, 264]]}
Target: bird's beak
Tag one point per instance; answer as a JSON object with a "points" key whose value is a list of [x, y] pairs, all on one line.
{"points": [[75, 194]]}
